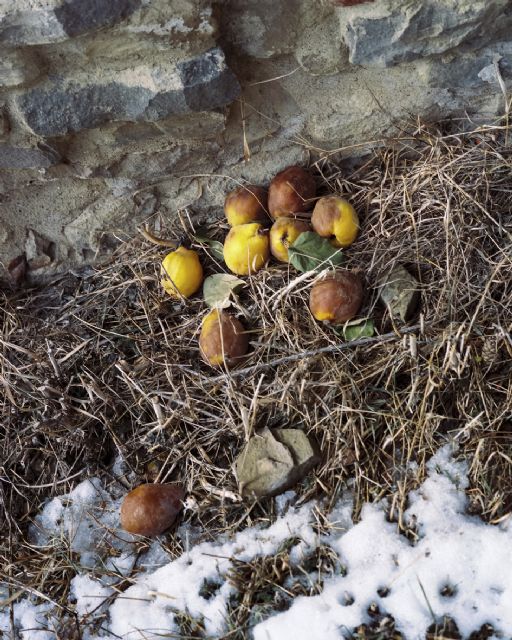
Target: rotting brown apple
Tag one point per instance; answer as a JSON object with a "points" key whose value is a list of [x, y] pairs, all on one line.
{"points": [[336, 298], [223, 339], [246, 204], [150, 509], [291, 191], [335, 218]]}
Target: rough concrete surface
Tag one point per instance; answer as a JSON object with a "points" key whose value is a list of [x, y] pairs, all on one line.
{"points": [[114, 110]]}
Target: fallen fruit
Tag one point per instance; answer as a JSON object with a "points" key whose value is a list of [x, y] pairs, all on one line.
{"points": [[246, 204], [283, 233], [181, 273], [246, 248], [336, 298], [223, 340], [150, 509], [291, 191], [335, 218]]}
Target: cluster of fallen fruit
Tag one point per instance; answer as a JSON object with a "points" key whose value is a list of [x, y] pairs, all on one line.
{"points": [[305, 239], [247, 248]]}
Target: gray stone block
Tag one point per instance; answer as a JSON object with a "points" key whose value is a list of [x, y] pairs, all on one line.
{"points": [[54, 109], [44, 21], [78, 16], [208, 83], [389, 32], [27, 157], [60, 106]]}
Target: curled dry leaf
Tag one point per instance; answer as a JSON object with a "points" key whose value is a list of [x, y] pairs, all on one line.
{"points": [[400, 293], [273, 461], [217, 289]]}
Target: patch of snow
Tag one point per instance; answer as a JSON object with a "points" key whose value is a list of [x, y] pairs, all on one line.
{"points": [[452, 550], [89, 594], [30, 620]]}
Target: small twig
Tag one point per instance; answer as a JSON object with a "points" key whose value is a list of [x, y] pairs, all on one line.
{"points": [[220, 493], [433, 615], [332, 348], [155, 239], [496, 62], [52, 360]]}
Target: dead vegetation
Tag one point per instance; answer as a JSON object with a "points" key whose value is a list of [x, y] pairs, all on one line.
{"points": [[99, 364]]}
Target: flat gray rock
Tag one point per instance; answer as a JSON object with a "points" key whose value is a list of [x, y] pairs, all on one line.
{"points": [[273, 461], [147, 93], [45, 21], [386, 33], [27, 157]]}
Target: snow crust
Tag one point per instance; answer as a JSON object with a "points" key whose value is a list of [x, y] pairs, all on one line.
{"points": [[454, 553]]}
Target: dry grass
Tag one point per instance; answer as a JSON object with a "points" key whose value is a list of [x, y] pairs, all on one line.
{"points": [[99, 364]]}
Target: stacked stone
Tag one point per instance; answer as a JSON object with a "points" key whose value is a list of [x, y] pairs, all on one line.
{"points": [[82, 84], [111, 110]]}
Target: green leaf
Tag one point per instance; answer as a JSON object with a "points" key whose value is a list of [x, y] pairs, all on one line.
{"points": [[310, 251], [217, 289], [364, 329], [216, 246]]}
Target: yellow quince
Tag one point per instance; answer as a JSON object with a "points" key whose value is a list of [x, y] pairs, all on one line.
{"points": [[283, 234], [182, 273], [246, 248]]}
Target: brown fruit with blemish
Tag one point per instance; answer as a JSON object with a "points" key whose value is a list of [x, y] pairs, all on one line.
{"points": [[246, 204], [223, 340], [283, 234], [290, 192], [336, 298], [335, 218], [150, 509]]}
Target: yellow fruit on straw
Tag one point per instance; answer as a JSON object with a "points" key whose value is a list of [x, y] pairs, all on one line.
{"points": [[283, 234], [182, 273], [246, 248]]}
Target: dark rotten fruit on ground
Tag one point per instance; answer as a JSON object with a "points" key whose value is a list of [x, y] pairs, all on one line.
{"points": [[150, 509], [223, 340], [291, 191], [246, 204], [336, 298]]}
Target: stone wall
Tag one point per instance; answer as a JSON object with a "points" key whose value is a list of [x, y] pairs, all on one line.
{"points": [[112, 110]]}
